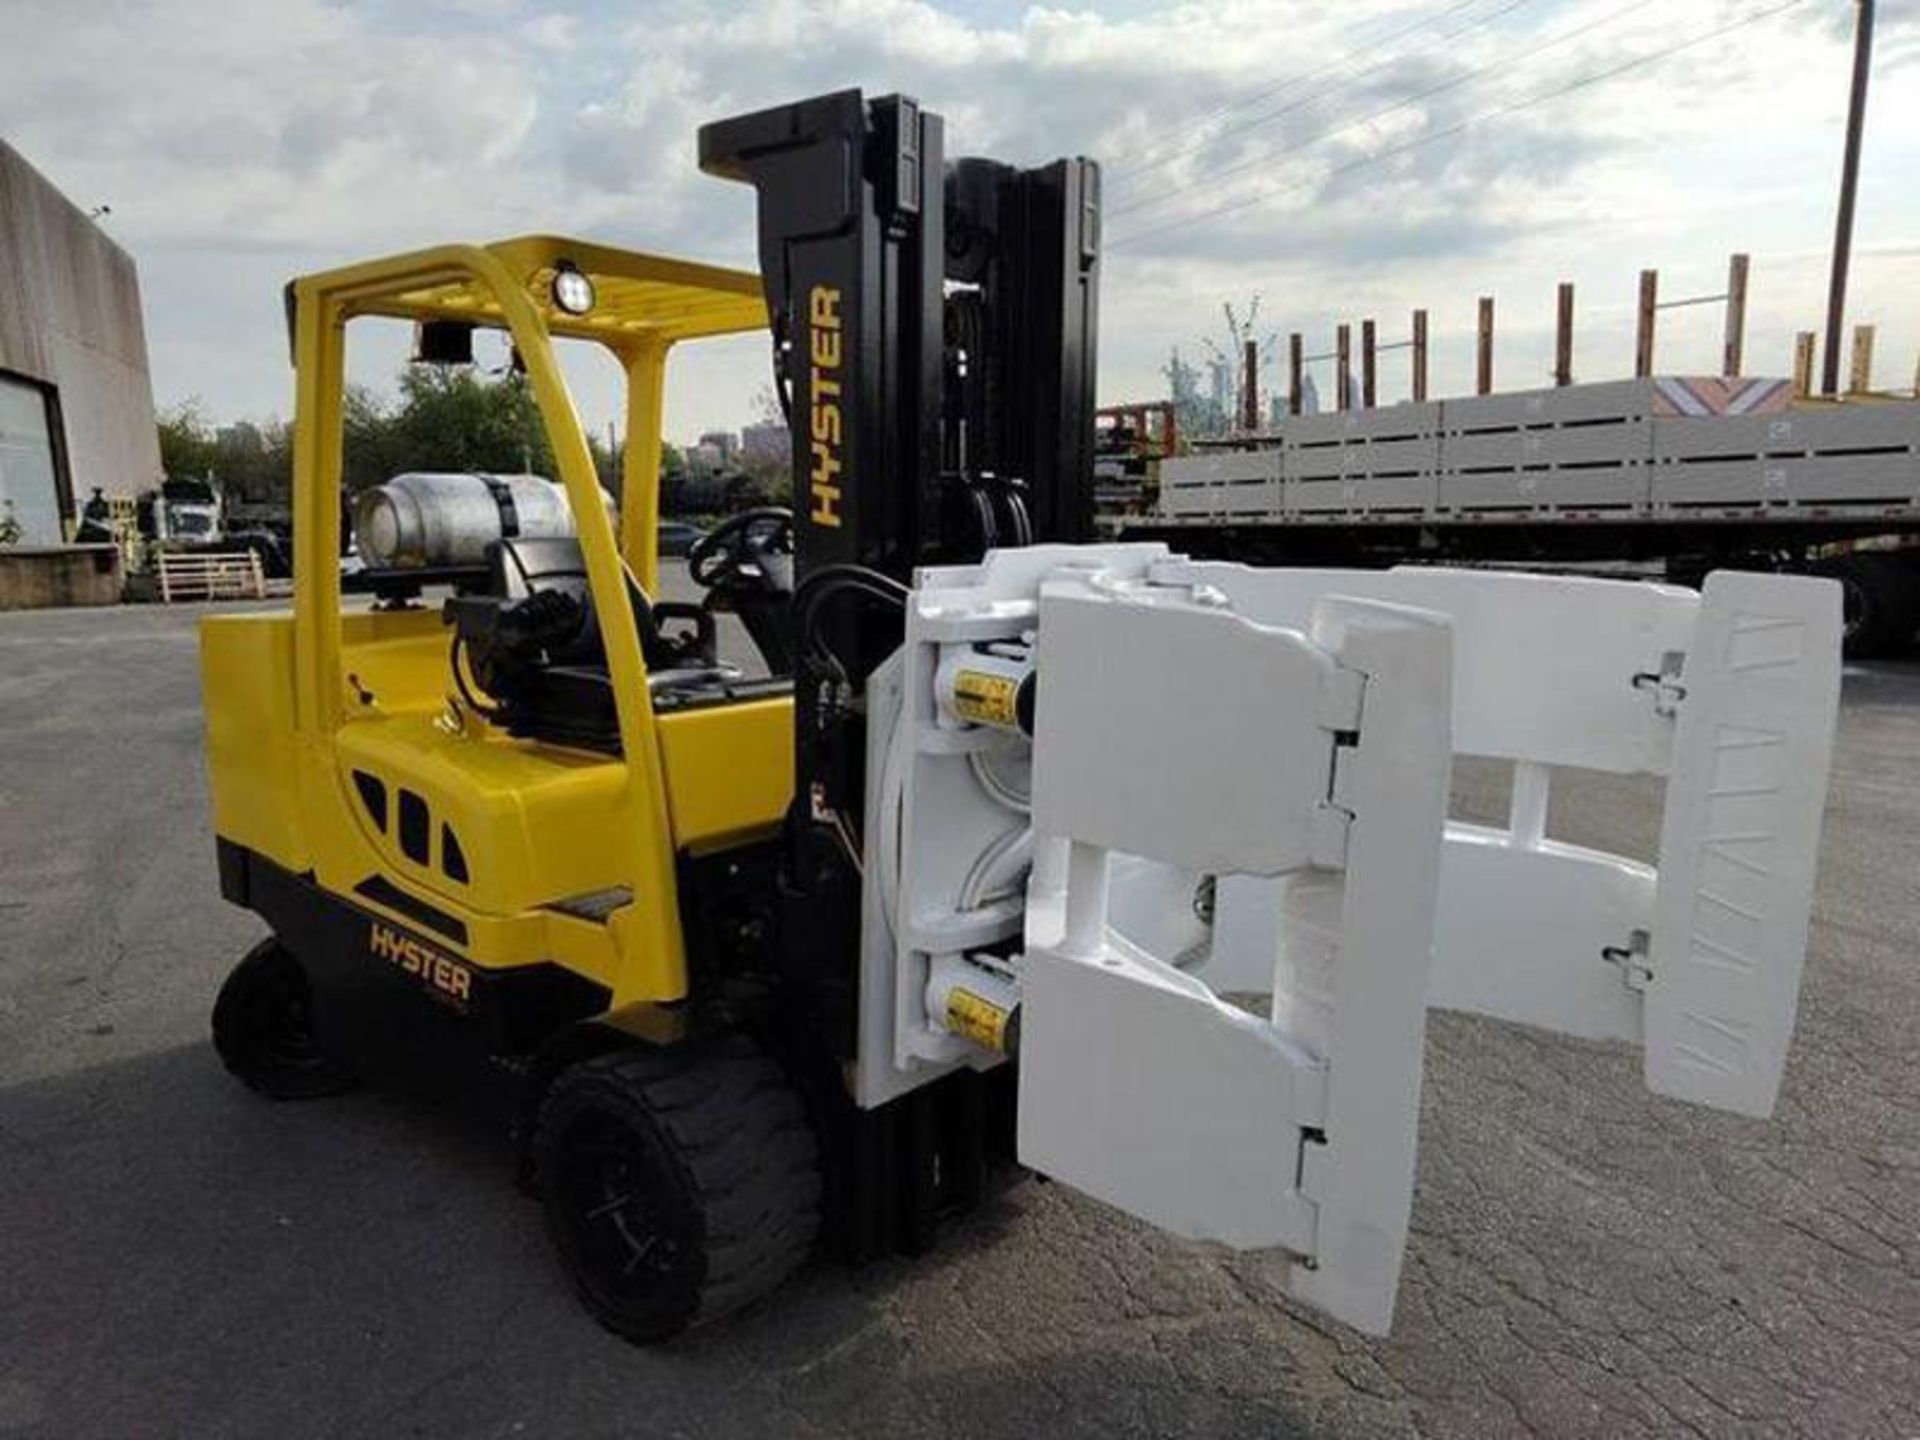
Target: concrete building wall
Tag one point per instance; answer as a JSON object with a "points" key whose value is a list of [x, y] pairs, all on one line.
{"points": [[70, 321]]}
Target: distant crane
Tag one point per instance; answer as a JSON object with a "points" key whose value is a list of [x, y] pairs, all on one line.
{"points": [[1248, 354]]}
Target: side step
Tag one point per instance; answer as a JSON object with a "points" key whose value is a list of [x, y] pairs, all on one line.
{"points": [[595, 905]]}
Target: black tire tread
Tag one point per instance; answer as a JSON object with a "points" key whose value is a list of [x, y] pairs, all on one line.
{"points": [[242, 1009], [745, 1148]]}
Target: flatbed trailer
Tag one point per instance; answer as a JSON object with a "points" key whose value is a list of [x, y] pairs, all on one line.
{"points": [[1687, 474]]}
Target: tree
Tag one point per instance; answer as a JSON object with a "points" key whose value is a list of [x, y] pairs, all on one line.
{"points": [[454, 418], [254, 462], [758, 482], [446, 418], [609, 460], [369, 455], [187, 445]]}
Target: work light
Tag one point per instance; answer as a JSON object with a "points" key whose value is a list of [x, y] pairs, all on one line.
{"points": [[572, 290]]}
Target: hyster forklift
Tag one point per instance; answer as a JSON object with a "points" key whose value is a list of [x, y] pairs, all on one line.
{"points": [[1009, 846]]}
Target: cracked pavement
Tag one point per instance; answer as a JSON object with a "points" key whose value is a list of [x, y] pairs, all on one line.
{"points": [[178, 1257]]}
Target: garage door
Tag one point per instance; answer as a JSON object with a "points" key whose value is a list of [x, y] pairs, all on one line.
{"points": [[29, 491]]}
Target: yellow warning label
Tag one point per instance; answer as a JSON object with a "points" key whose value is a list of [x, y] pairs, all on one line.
{"points": [[973, 1018], [986, 699]]}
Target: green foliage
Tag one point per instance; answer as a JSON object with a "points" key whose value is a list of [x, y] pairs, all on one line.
{"points": [[454, 418], [445, 418], [247, 461], [766, 480], [187, 444], [607, 460], [367, 440], [254, 462]]}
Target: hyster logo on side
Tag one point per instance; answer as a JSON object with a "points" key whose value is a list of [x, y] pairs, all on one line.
{"points": [[823, 350], [449, 977]]}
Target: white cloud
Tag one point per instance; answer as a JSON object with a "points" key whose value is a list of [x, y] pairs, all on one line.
{"points": [[240, 144], [556, 32]]}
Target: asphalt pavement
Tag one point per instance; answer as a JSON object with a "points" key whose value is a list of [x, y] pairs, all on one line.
{"points": [[181, 1258]]}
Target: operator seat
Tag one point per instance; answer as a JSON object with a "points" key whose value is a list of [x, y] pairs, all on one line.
{"points": [[522, 567], [534, 643]]}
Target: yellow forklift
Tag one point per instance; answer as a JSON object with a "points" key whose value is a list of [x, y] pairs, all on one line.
{"points": [[1134, 868], [540, 817]]}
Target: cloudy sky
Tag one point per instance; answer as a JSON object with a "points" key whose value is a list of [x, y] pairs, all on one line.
{"points": [[1339, 158]]}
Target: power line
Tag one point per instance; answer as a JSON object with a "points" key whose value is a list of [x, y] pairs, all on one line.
{"points": [[1292, 82], [1466, 78], [1305, 100], [1595, 78]]}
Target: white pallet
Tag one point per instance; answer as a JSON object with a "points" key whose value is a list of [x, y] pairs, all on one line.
{"points": [[228, 575]]}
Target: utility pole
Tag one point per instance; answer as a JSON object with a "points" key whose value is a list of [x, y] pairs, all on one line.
{"points": [[1849, 180], [1250, 385]]}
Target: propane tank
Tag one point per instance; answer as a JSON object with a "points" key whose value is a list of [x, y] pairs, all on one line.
{"points": [[433, 519]]}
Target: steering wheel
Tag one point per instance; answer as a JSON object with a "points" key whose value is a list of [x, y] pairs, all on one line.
{"points": [[747, 547]]}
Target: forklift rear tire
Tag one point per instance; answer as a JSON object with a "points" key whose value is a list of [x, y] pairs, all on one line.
{"points": [[678, 1186], [263, 1028]]}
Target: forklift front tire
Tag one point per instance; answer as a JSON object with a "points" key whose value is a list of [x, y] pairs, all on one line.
{"points": [[678, 1187], [263, 1028]]}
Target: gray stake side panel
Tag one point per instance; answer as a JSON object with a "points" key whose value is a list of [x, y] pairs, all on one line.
{"points": [[1408, 495], [1220, 467], [1393, 459], [1364, 463], [1847, 455], [1364, 427], [1737, 437], [1220, 482], [1248, 502], [1625, 442], [1618, 487], [1552, 455], [1327, 464], [1261, 501], [1575, 404], [1308, 496], [1839, 431], [1187, 500], [1828, 481]]}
